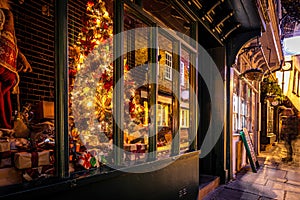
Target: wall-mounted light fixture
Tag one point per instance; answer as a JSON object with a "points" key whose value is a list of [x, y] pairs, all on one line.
{"points": [[254, 74]]}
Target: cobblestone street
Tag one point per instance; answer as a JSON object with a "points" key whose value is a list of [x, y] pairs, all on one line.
{"points": [[274, 180]]}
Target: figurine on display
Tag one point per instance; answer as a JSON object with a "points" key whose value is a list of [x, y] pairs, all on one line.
{"points": [[12, 61]]}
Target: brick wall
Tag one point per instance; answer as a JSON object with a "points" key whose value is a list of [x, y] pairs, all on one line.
{"points": [[35, 37], [35, 32]]}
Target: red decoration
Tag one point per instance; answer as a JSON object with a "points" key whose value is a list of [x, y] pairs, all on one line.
{"points": [[84, 160], [72, 72], [90, 4]]}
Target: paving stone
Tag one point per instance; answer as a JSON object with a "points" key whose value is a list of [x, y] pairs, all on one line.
{"points": [[293, 176], [253, 178], [230, 194], [279, 194], [274, 180], [272, 173], [293, 182], [282, 186], [292, 196], [253, 189]]}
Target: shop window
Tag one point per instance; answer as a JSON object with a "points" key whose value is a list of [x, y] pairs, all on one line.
{"points": [[243, 114], [27, 93], [182, 79], [235, 113], [163, 114], [136, 89], [184, 118], [28, 142], [168, 15], [164, 98], [295, 82], [270, 120], [185, 58], [90, 87]]}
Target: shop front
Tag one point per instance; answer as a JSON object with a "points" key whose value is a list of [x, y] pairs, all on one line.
{"points": [[104, 102], [253, 55]]}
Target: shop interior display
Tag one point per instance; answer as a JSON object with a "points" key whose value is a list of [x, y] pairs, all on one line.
{"points": [[26, 147], [91, 111]]}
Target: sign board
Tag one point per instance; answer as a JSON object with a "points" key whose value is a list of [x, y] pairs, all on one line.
{"points": [[249, 149]]}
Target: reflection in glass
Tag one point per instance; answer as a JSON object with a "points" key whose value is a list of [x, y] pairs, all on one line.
{"points": [[164, 99], [184, 100], [136, 90]]}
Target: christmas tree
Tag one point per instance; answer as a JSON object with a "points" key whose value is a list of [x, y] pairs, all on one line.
{"points": [[91, 80]]}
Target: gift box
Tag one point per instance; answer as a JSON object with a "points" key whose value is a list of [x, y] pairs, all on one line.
{"points": [[23, 160], [87, 160], [21, 144], [135, 151], [135, 148], [4, 146], [36, 173], [10, 176], [6, 159], [5, 162]]}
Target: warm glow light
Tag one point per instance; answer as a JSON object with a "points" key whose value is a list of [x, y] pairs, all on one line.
{"points": [[291, 45], [89, 104]]}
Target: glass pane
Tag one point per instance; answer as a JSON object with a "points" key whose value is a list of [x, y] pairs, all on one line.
{"points": [[90, 85], [164, 100], [27, 129], [167, 14], [136, 90], [185, 99]]}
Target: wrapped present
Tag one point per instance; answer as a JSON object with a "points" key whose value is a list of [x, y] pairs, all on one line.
{"points": [[87, 160], [38, 172], [134, 151], [23, 160], [10, 176], [48, 143], [99, 155], [19, 144], [4, 146], [5, 159], [135, 148], [5, 162]]}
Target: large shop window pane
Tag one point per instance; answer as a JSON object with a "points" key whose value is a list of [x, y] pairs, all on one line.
{"points": [[235, 112], [184, 100], [27, 131], [167, 14], [90, 85], [136, 90], [164, 100]]}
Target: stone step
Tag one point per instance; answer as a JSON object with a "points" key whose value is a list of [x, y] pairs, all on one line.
{"points": [[207, 184]]}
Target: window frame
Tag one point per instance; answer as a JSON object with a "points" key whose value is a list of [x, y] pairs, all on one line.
{"points": [[168, 66]]}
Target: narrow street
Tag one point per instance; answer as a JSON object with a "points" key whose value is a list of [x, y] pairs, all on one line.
{"points": [[274, 180]]}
